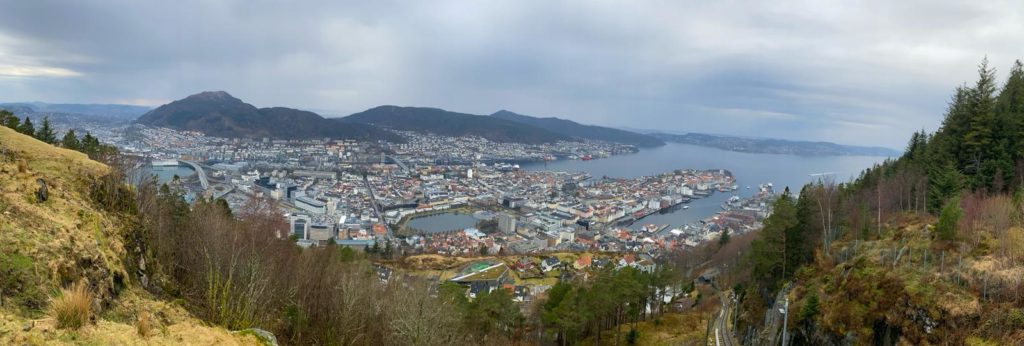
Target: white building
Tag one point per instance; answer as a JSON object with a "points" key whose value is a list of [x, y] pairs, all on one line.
{"points": [[507, 223]]}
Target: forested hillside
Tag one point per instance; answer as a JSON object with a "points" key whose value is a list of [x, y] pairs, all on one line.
{"points": [[924, 249]]}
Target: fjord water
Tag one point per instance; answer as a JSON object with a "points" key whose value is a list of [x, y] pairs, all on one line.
{"points": [[164, 174], [442, 222], [749, 170]]}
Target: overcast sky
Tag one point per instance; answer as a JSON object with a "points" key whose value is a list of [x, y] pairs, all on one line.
{"points": [[856, 72]]}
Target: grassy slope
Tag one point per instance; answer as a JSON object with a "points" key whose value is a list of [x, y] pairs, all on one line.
{"points": [[66, 239]]}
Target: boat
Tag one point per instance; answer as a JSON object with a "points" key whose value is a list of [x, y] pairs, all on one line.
{"points": [[586, 158], [686, 207]]}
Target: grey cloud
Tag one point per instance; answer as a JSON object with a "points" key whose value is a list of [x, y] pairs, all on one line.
{"points": [[791, 69]]}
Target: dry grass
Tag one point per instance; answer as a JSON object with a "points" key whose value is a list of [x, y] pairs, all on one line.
{"points": [[73, 307], [144, 324], [686, 328], [171, 325]]}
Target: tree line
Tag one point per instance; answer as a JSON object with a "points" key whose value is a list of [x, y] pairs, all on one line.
{"points": [[968, 174], [978, 149], [576, 310], [87, 144]]}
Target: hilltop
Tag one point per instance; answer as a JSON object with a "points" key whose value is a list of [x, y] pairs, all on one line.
{"points": [[217, 113], [447, 123], [576, 130], [46, 244]]}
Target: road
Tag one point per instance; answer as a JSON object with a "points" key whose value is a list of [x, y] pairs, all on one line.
{"points": [[200, 172], [376, 207]]}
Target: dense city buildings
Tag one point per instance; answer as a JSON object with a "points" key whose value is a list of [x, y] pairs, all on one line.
{"points": [[360, 193]]}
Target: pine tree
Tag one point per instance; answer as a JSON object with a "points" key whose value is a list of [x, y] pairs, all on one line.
{"points": [[90, 145], [45, 132], [978, 139], [945, 182], [70, 141], [811, 308], [8, 119], [950, 216], [769, 251], [26, 128], [1010, 107]]}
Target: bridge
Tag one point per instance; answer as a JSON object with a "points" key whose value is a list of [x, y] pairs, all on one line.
{"points": [[200, 172]]}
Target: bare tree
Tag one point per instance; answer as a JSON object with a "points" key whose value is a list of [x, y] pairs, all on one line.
{"points": [[825, 192]]}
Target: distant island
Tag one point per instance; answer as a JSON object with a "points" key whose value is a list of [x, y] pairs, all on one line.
{"points": [[775, 146]]}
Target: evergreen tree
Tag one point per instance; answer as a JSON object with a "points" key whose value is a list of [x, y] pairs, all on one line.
{"points": [[724, 238], [978, 138], [945, 182], [222, 204], [45, 132], [811, 307], [768, 253], [1010, 106], [8, 119], [492, 311], [809, 226], [26, 128], [70, 141], [90, 145], [950, 216]]}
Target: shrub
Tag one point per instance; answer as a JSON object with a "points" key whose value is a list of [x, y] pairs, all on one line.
{"points": [[17, 285], [73, 307]]}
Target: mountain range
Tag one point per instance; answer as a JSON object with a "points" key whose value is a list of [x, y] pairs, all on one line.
{"points": [[454, 124], [219, 114], [576, 130]]}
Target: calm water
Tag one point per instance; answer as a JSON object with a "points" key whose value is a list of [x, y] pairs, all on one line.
{"points": [[442, 222], [165, 174], [748, 169]]}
